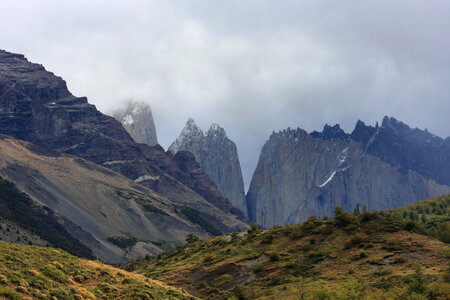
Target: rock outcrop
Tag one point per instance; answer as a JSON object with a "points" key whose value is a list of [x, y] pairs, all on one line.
{"points": [[36, 106], [137, 119], [218, 156], [381, 167]]}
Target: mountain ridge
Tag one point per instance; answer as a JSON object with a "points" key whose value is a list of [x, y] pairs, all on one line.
{"points": [[301, 174]]}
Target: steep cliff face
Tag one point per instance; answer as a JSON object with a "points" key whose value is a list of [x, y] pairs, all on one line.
{"points": [[381, 167], [137, 119], [218, 156], [36, 106]]}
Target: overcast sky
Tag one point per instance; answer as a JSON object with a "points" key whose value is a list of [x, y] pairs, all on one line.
{"points": [[251, 66]]}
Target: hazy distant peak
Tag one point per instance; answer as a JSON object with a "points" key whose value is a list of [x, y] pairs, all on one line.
{"points": [[137, 118]]}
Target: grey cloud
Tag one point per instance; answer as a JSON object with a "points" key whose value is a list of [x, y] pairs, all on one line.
{"points": [[252, 66]]}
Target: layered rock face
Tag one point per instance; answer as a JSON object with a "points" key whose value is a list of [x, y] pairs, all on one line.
{"points": [[137, 119], [36, 106], [381, 167], [218, 156]]}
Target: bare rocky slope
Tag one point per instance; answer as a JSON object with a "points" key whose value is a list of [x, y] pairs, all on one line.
{"points": [[115, 217], [381, 167], [137, 119], [218, 156]]}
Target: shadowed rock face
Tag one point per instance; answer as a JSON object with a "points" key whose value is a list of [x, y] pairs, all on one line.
{"points": [[36, 106], [137, 119], [218, 156], [381, 167]]}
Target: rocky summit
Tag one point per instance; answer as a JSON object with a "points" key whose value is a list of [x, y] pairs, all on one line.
{"points": [[376, 167], [137, 119], [218, 156]]}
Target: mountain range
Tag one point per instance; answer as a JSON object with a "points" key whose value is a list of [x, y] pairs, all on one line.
{"points": [[300, 174], [70, 142], [75, 180], [52, 141]]}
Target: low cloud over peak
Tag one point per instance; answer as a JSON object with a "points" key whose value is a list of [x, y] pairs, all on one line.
{"points": [[252, 66]]}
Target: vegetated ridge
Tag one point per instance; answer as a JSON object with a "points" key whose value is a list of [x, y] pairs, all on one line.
{"points": [[365, 255]]}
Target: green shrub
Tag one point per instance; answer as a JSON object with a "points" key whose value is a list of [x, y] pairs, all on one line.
{"points": [[267, 239], [343, 218], [307, 247], [443, 232], [274, 256], [419, 284], [123, 242], [54, 274], [399, 260], [326, 229], [322, 295], [9, 294], [392, 246], [447, 274], [253, 229], [356, 239], [363, 255], [351, 228], [383, 272], [192, 238]]}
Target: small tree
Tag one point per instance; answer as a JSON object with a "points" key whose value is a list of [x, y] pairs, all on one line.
{"points": [[343, 218], [253, 229], [356, 211], [419, 284], [447, 274]]}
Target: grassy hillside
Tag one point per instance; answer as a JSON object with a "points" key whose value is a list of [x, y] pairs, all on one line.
{"points": [[30, 272], [348, 257], [431, 216]]}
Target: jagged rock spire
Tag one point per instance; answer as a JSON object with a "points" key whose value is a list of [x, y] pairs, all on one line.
{"points": [[217, 155]]}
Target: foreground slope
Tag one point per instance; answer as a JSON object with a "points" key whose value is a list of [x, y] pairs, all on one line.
{"points": [[30, 272], [115, 217], [348, 257]]}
